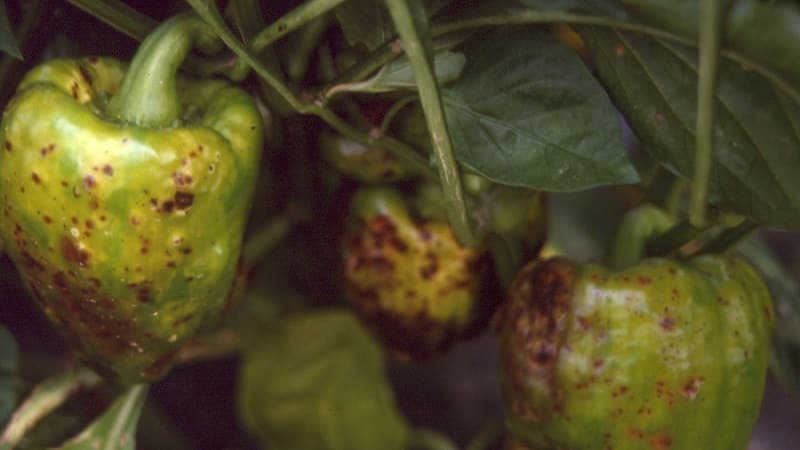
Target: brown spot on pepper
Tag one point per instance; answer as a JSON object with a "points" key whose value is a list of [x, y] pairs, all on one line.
{"points": [[73, 253], [167, 206], [143, 295], [9, 148], [660, 441], [89, 181], [35, 178], [183, 199], [667, 323], [108, 170]]}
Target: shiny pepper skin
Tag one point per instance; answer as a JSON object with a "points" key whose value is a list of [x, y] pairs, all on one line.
{"points": [[661, 355], [366, 164], [127, 236], [414, 285]]}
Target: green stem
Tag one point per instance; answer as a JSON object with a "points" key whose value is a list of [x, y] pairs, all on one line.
{"points": [[119, 16], [710, 36], [728, 238], [424, 439], [290, 21], [217, 345], [412, 32], [638, 226], [301, 48], [149, 96], [45, 398], [208, 11], [673, 239], [394, 110]]}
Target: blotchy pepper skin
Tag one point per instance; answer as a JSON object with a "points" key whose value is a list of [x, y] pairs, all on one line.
{"points": [[366, 164], [127, 236], [662, 355], [414, 285]]}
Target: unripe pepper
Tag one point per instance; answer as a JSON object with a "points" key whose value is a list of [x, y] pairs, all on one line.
{"points": [[316, 381], [125, 192], [367, 164], [417, 288], [661, 354]]}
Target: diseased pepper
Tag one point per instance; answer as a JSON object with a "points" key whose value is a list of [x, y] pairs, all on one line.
{"points": [[367, 164], [416, 287], [660, 354], [125, 192]]}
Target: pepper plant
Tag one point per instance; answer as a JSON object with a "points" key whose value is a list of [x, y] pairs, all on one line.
{"points": [[311, 203]]}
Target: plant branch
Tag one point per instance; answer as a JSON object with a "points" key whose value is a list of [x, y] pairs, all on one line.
{"points": [[710, 36], [673, 239], [264, 240], [412, 34], [208, 11], [290, 21], [45, 398]]}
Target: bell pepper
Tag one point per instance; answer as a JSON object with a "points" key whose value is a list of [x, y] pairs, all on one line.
{"points": [[366, 164], [659, 353], [316, 381], [416, 287], [125, 191]]}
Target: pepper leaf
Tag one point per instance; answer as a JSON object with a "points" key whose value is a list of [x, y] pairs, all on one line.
{"points": [[115, 429], [400, 75], [8, 43], [527, 112], [767, 32], [757, 129], [364, 22]]}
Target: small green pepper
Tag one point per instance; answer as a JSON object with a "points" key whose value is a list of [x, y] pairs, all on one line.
{"points": [[125, 192], [417, 288], [658, 354], [316, 381], [367, 164]]}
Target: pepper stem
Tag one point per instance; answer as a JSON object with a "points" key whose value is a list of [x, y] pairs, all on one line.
{"points": [[148, 96], [637, 227]]}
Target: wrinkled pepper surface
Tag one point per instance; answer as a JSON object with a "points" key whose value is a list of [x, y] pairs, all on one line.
{"points": [[416, 287], [661, 354], [125, 191]]}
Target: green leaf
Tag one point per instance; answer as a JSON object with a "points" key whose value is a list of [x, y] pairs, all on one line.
{"points": [[757, 129], [527, 112], [766, 32], [8, 43], [115, 429], [364, 22], [10, 385], [399, 75], [316, 382], [604, 7]]}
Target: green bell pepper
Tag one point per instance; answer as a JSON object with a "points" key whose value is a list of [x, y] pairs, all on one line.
{"points": [[656, 354], [125, 192]]}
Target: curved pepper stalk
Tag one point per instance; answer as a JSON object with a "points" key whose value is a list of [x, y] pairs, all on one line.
{"points": [[128, 235]]}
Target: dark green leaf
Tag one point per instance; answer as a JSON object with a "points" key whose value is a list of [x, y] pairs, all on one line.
{"points": [[766, 32], [757, 130], [365, 22], [115, 429], [8, 43], [604, 7], [316, 382], [527, 112]]}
